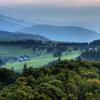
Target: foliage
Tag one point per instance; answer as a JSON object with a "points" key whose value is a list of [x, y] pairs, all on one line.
{"points": [[91, 55], [67, 80]]}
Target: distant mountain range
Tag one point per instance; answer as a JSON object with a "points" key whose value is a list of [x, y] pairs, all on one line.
{"points": [[63, 33], [8, 36], [11, 24], [58, 33]]}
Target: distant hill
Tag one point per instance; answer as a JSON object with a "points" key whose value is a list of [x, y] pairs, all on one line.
{"points": [[63, 33], [11, 24], [4, 35], [58, 33]]}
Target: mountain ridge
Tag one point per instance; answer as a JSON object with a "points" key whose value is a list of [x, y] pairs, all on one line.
{"points": [[63, 33], [55, 33], [11, 24], [9, 36]]}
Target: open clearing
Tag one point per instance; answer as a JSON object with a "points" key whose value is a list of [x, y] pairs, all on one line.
{"points": [[40, 61]]}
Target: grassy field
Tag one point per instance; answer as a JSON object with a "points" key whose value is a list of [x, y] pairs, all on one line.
{"points": [[41, 61], [13, 51]]}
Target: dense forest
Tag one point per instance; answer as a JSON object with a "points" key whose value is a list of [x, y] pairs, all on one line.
{"points": [[66, 80]]}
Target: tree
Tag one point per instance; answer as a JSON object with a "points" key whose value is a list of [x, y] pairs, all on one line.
{"points": [[25, 68], [59, 58], [7, 76]]}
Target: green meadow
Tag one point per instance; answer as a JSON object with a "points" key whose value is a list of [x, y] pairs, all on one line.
{"points": [[14, 51], [40, 61]]}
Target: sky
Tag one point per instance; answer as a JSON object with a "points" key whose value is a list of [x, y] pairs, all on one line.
{"points": [[52, 2], [83, 13]]}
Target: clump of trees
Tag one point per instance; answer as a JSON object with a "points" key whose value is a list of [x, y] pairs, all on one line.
{"points": [[67, 80], [91, 55]]}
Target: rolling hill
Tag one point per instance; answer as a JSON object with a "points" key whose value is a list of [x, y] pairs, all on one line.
{"points": [[63, 33], [5, 36], [57, 33], [11, 24]]}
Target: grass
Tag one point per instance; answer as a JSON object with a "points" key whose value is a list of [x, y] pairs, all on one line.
{"points": [[13, 51], [40, 61]]}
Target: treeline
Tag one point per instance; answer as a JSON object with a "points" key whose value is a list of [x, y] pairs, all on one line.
{"points": [[57, 48], [21, 42], [39, 42], [67, 80], [95, 43], [49, 46], [91, 55], [31, 42]]}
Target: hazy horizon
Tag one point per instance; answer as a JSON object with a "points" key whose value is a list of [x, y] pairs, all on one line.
{"points": [[83, 13]]}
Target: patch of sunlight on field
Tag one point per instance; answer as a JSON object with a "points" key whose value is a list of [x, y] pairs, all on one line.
{"points": [[72, 55], [40, 61]]}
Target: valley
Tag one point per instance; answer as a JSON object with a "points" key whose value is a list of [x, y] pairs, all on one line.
{"points": [[40, 44], [40, 61], [49, 49], [14, 56]]}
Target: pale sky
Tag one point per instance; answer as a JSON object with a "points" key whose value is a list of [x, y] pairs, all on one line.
{"points": [[52, 2]]}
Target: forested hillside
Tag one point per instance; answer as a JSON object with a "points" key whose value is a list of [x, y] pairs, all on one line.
{"points": [[67, 80]]}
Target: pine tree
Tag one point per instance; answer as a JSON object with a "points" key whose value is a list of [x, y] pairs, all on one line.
{"points": [[25, 68], [59, 59]]}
